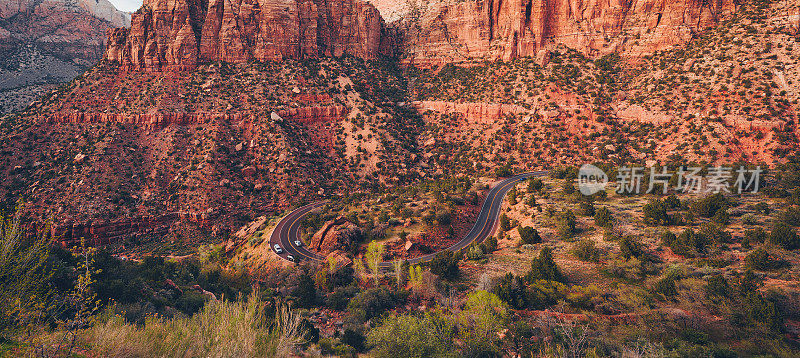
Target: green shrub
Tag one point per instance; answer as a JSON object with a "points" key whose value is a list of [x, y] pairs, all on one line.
{"points": [[717, 286], [586, 250], [566, 225], [372, 303], [630, 246], [529, 235], [445, 264], [544, 268], [722, 217], [784, 236], [655, 213], [708, 206], [758, 259], [603, 217]]}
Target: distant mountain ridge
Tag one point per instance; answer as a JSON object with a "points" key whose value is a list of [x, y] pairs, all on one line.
{"points": [[47, 42]]}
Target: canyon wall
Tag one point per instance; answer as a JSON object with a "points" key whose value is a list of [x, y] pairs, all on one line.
{"points": [[508, 29], [180, 34]]}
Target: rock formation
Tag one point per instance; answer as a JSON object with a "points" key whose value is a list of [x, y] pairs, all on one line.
{"points": [[157, 120], [796, 17], [334, 235], [498, 29], [179, 34]]}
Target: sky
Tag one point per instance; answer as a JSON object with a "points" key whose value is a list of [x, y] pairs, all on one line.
{"points": [[127, 5]]}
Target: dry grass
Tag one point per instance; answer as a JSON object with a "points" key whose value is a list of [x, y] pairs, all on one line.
{"points": [[221, 329]]}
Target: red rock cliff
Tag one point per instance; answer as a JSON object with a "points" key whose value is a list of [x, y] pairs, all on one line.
{"points": [[182, 33], [507, 29]]}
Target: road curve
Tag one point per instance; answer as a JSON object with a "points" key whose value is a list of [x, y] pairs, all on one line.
{"points": [[288, 229]]}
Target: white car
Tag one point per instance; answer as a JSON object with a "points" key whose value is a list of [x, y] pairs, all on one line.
{"points": [[290, 258], [278, 249], [298, 243]]}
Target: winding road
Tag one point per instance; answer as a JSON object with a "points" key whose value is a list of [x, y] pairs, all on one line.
{"points": [[288, 229]]}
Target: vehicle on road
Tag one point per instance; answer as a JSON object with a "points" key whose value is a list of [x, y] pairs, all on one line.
{"points": [[278, 249], [298, 243], [290, 258]]}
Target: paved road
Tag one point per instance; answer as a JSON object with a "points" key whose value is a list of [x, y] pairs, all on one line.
{"points": [[288, 229]]}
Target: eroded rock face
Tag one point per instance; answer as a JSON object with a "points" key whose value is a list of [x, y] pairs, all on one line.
{"points": [[508, 29], [335, 235], [167, 34]]}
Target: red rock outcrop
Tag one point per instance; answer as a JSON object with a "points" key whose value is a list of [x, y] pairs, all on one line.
{"points": [[158, 120], [334, 235], [179, 34], [498, 29], [796, 17], [472, 112], [103, 232]]}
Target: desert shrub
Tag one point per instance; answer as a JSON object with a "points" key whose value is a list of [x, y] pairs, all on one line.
{"points": [[586, 250], [529, 235], [340, 297], [754, 236], [784, 236], [666, 286], [475, 252], [566, 225], [717, 286], [445, 264], [531, 201], [541, 294], [672, 202], [353, 339], [722, 217], [587, 208], [372, 303], [490, 244], [511, 290], [503, 172], [544, 267], [603, 217], [757, 311], [190, 302], [568, 188], [758, 259], [714, 233], [708, 206], [655, 213], [630, 246], [505, 222], [444, 217], [749, 219], [790, 216], [535, 185], [306, 292]]}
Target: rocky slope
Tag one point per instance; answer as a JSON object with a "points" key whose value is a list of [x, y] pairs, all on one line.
{"points": [[179, 34], [44, 43], [497, 29], [116, 152], [729, 96]]}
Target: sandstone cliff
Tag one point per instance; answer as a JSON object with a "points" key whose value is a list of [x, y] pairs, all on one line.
{"points": [[178, 34], [498, 29]]}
